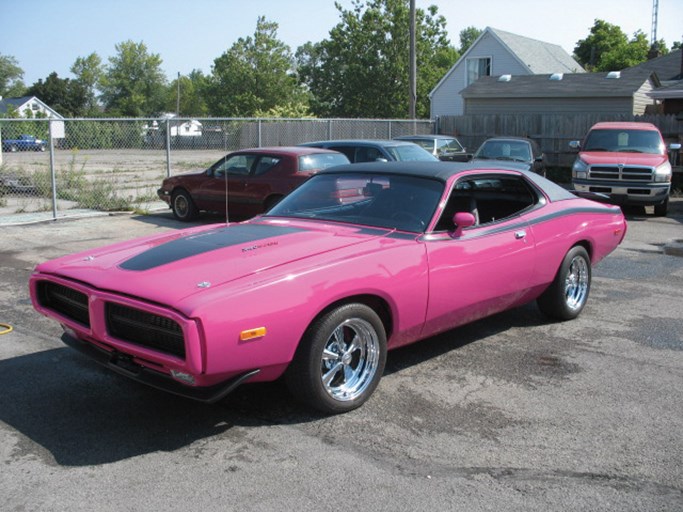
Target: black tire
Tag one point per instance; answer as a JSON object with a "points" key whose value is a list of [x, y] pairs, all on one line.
{"points": [[566, 297], [13, 148], [183, 206], [340, 360], [662, 209]]}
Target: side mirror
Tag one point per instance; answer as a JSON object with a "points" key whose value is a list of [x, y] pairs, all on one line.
{"points": [[462, 220], [381, 159], [674, 147], [575, 144]]}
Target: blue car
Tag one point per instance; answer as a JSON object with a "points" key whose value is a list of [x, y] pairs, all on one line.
{"points": [[364, 150]]}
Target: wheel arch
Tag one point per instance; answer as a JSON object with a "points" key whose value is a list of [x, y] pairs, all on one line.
{"points": [[378, 304]]}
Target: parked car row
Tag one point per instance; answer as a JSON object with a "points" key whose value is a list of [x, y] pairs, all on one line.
{"points": [[257, 179]]}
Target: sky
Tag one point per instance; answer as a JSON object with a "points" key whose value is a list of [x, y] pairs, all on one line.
{"points": [[47, 36]]}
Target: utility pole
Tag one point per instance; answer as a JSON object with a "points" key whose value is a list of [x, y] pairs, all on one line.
{"points": [[413, 63], [177, 104]]}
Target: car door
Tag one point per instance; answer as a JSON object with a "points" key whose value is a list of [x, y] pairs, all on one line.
{"points": [[228, 175], [489, 267], [266, 177]]}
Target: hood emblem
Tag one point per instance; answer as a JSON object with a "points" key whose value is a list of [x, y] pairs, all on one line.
{"points": [[258, 246], [204, 284], [89, 258]]}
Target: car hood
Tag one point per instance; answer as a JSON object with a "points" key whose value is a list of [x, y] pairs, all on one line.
{"points": [[612, 158], [171, 267]]}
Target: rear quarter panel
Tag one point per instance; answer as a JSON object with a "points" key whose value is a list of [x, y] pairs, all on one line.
{"points": [[560, 225]]}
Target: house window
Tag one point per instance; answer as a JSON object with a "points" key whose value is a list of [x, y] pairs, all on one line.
{"points": [[477, 68]]}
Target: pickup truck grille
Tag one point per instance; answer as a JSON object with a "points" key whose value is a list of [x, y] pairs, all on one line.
{"points": [[64, 300], [621, 173], [146, 329]]}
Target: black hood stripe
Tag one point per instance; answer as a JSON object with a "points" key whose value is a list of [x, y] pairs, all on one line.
{"points": [[201, 243]]}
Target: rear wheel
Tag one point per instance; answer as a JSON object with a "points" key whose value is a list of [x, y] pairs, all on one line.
{"points": [[340, 359], [568, 293], [183, 207]]}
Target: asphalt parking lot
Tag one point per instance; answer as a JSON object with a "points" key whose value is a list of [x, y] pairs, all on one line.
{"points": [[509, 413]]}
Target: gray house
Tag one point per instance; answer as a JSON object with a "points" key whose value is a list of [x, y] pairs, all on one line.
{"points": [[625, 92], [496, 53]]}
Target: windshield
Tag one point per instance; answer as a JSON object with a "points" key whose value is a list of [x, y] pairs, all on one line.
{"points": [[516, 151], [410, 153], [624, 141], [406, 203]]}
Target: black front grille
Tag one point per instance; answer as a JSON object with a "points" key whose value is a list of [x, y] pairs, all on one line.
{"points": [[625, 173], [65, 301], [146, 329]]}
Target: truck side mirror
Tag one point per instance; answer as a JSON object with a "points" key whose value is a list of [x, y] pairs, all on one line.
{"points": [[575, 144]]}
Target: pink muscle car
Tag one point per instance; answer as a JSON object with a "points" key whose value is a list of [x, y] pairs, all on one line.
{"points": [[359, 260]]}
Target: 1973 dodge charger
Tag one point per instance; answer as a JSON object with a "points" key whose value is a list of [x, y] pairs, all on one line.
{"points": [[359, 260]]}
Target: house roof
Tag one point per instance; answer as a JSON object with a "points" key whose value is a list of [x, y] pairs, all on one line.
{"points": [[538, 56], [14, 102], [576, 85], [671, 91], [668, 67], [17, 103]]}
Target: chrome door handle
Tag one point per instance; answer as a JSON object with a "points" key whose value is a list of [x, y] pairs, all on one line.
{"points": [[520, 234]]}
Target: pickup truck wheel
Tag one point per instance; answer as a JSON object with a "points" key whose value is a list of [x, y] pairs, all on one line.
{"points": [[340, 359], [662, 209], [568, 293], [183, 206]]}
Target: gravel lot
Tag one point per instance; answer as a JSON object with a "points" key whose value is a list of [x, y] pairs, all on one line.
{"points": [[508, 413]]}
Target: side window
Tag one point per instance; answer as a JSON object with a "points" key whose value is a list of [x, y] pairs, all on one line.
{"points": [[350, 152], [365, 154], [490, 198], [265, 163], [235, 165]]}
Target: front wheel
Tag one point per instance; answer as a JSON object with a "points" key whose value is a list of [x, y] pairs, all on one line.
{"points": [[568, 293], [662, 209], [183, 206], [340, 359]]}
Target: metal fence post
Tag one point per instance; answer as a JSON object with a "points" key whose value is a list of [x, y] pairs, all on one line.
{"points": [[259, 133], [53, 176], [329, 129], [168, 148]]}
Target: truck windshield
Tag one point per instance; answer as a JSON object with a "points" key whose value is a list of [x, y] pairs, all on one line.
{"points": [[624, 141]]}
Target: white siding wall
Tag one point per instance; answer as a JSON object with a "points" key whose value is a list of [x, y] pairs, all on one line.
{"points": [[446, 100], [640, 99]]}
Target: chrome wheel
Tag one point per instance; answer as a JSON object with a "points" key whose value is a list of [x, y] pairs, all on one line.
{"points": [[567, 295], [350, 359], [340, 359], [576, 283]]}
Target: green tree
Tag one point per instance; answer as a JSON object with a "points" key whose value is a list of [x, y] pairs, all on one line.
{"points": [[468, 36], [633, 53], [604, 37], [254, 76], [133, 83], [88, 72], [11, 74], [362, 69], [67, 97], [190, 90]]}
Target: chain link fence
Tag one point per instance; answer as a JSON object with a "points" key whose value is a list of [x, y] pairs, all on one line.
{"points": [[72, 166]]}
